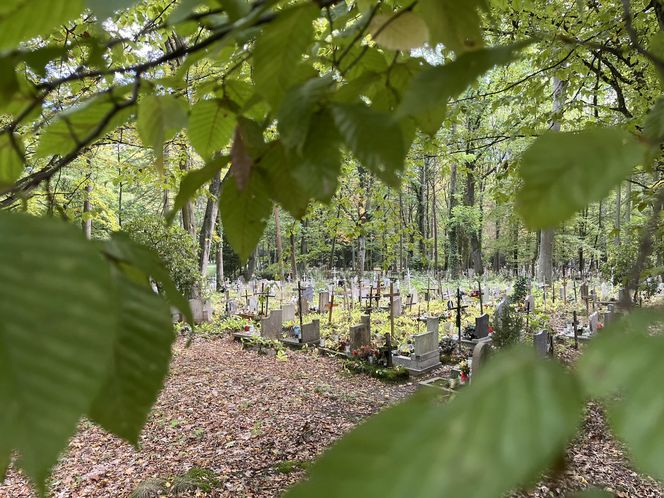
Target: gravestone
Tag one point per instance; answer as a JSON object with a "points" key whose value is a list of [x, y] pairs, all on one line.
{"points": [[308, 293], [201, 310], [396, 306], [415, 298], [271, 327], [529, 303], [583, 291], [609, 315], [482, 326], [288, 312], [323, 301], [501, 307], [425, 356], [252, 306], [311, 333], [481, 353], [231, 307], [304, 306], [360, 335], [593, 320], [542, 343]]}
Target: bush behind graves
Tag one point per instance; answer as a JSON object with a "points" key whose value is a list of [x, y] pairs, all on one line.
{"points": [[174, 246], [507, 332]]}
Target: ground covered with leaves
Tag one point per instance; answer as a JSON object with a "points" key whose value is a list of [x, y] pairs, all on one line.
{"points": [[256, 421]]}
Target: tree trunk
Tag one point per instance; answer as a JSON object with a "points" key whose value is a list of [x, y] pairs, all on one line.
{"points": [[618, 220], [219, 257], [277, 241], [87, 219], [473, 236], [209, 220], [292, 254], [188, 220], [545, 259], [453, 261]]}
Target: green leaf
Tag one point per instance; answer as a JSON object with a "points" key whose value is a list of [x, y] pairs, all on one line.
{"points": [[244, 213], [11, 163], [563, 172], [454, 23], [211, 127], [90, 120], [399, 32], [298, 107], [374, 137], [103, 9], [625, 359], [160, 117], [279, 49], [121, 248], [141, 356], [434, 87], [317, 170], [654, 125], [277, 171], [475, 445], [56, 334], [193, 181], [21, 20]]}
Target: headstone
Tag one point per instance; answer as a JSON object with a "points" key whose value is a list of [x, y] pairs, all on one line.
{"points": [[360, 335], [482, 326], [481, 354], [304, 306], [501, 307], [593, 320], [425, 356], [583, 291], [271, 327], [529, 303], [200, 310], [231, 306], [396, 306], [323, 301], [308, 293], [541, 341], [288, 312], [311, 333], [252, 306]]}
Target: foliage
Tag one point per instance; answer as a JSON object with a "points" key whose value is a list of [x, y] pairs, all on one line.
{"points": [[507, 331], [396, 374], [95, 306], [173, 245], [520, 290]]}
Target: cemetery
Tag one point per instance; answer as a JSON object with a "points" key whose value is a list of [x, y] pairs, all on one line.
{"points": [[331, 248]]}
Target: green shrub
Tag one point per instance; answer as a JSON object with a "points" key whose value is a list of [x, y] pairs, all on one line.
{"points": [[520, 289], [174, 246], [507, 331]]}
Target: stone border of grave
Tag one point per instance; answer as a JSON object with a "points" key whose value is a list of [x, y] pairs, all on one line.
{"points": [[431, 383]]}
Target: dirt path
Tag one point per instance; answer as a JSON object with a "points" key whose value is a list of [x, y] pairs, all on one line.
{"points": [[253, 419]]}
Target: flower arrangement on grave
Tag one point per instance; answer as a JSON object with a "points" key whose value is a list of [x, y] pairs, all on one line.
{"points": [[475, 294], [366, 352], [464, 368]]}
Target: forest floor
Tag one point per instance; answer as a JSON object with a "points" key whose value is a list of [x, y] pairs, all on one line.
{"points": [[256, 421]]}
